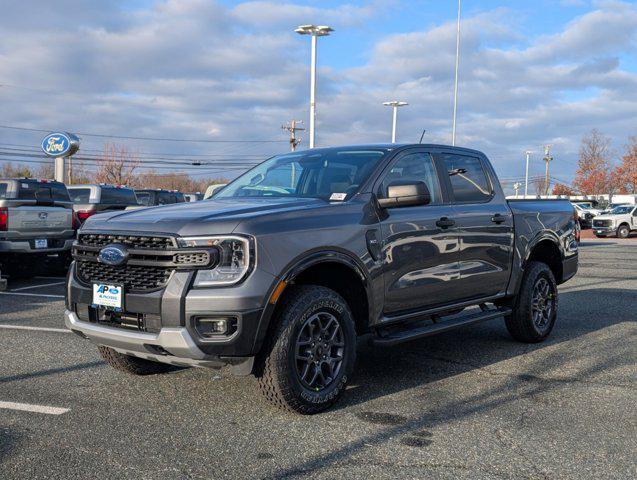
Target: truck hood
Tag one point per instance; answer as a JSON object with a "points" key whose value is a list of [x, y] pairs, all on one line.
{"points": [[215, 216]]}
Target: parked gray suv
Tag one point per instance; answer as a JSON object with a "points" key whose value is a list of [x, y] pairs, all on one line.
{"points": [[90, 199], [279, 273], [36, 223]]}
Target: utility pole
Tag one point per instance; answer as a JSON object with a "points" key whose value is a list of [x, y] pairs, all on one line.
{"points": [[526, 176], [516, 187], [292, 128], [547, 159]]}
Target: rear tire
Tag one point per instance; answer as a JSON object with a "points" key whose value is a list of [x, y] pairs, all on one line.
{"points": [[623, 231], [307, 364], [132, 365], [535, 308]]}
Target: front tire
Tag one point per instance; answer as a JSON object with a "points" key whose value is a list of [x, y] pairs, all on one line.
{"points": [[535, 309], [132, 365], [623, 231], [312, 351]]}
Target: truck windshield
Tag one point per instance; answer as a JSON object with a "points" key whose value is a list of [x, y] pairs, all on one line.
{"points": [[327, 173]]}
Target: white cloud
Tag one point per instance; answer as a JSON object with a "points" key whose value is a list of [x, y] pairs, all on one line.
{"points": [[197, 69]]}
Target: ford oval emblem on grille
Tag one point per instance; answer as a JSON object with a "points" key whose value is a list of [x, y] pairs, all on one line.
{"points": [[113, 255]]}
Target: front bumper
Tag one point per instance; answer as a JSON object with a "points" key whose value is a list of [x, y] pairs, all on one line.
{"points": [[170, 333], [28, 246], [604, 230]]}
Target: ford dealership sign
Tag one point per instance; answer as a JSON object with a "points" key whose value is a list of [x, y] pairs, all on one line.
{"points": [[60, 144]]}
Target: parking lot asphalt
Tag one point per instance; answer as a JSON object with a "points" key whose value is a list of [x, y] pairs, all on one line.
{"points": [[470, 403]]}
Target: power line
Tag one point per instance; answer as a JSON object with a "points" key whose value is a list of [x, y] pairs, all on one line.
{"points": [[156, 139]]}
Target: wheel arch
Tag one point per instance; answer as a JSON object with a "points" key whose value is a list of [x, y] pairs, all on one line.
{"points": [[331, 268]]}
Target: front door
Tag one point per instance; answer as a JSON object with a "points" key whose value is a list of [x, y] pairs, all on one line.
{"points": [[485, 227], [420, 247]]}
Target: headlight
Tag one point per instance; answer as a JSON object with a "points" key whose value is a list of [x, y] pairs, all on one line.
{"points": [[235, 259]]}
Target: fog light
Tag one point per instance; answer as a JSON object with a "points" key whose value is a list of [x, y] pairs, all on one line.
{"points": [[210, 327]]}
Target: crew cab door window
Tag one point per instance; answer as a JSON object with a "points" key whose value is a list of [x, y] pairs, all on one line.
{"points": [[166, 198], [415, 167], [469, 181]]}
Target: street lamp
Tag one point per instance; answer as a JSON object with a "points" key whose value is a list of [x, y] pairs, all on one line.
{"points": [[455, 83], [394, 104], [314, 31]]}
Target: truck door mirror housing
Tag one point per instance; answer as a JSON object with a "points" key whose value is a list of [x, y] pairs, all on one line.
{"points": [[405, 194]]}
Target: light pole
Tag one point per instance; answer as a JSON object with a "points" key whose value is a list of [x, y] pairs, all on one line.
{"points": [[314, 31], [526, 175], [394, 104], [455, 88]]}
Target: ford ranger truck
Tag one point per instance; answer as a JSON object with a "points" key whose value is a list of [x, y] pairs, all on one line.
{"points": [[280, 272], [37, 223]]}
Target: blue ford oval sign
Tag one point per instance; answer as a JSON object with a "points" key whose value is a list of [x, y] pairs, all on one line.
{"points": [[60, 144], [113, 255]]}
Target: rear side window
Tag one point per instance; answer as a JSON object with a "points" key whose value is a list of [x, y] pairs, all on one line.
{"points": [[143, 198], [58, 191], [468, 178], [118, 196], [180, 197], [3, 190], [80, 195]]}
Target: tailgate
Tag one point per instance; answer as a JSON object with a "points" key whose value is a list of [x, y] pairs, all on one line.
{"points": [[43, 221]]}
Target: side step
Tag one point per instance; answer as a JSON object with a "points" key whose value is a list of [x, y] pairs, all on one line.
{"points": [[412, 332]]}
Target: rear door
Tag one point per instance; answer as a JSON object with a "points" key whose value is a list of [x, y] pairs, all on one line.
{"points": [[484, 223], [420, 256]]}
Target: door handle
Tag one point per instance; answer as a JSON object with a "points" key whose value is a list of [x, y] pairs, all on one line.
{"points": [[499, 218], [445, 222]]}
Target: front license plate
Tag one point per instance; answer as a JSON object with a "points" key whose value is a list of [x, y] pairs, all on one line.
{"points": [[41, 243], [599, 231], [108, 295]]}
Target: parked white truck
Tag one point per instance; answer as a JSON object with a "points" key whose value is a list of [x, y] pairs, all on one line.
{"points": [[620, 221]]}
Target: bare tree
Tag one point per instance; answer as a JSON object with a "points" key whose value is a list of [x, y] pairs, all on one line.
{"points": [[117, 166]]}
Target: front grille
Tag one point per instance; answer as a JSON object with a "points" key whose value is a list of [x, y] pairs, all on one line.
{"points": [[148, 242], [151, 260], [602, 223], [134, 278]]}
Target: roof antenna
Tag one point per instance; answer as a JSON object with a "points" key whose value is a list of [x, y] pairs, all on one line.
{"points": [[423, 134]]}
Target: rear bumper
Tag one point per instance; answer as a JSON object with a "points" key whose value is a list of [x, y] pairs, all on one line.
{"points": [[27, 246], [172, 345]]}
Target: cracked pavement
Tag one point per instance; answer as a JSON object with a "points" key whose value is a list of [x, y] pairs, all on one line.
{"points": [[468, 404]]}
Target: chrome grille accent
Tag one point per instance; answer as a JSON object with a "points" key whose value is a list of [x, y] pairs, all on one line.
{"points": [[150, 242], [602, 223]]}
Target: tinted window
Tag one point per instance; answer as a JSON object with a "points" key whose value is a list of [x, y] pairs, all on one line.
{"points": [[79, 195], [179, 197], [57, 191], [143, 198], [166, 198], [329, 173], [3, 190], [118, 196], [415, 167], [468, 179]]}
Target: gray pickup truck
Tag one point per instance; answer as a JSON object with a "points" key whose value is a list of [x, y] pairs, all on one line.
{"points": [[36, 222], [279, 273]]}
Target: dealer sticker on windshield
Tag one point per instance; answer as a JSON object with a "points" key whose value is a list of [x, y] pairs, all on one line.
{"points": [[107, 295], [338, 196]]}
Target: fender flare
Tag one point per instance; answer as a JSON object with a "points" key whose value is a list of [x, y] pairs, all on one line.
{"points": [[301, 264]]}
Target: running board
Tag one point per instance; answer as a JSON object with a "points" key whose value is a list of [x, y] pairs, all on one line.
{"points": [[406, 333]]}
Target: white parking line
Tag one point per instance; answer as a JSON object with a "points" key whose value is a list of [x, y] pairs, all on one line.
{"points": [[32, 294], [38, 329], [37, 286], [27, 407]]}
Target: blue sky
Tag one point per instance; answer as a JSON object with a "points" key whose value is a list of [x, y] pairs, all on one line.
{"points": [[532, 72]]}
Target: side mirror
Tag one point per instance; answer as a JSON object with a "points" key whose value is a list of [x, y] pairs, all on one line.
{"points": [[405, 194]]}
